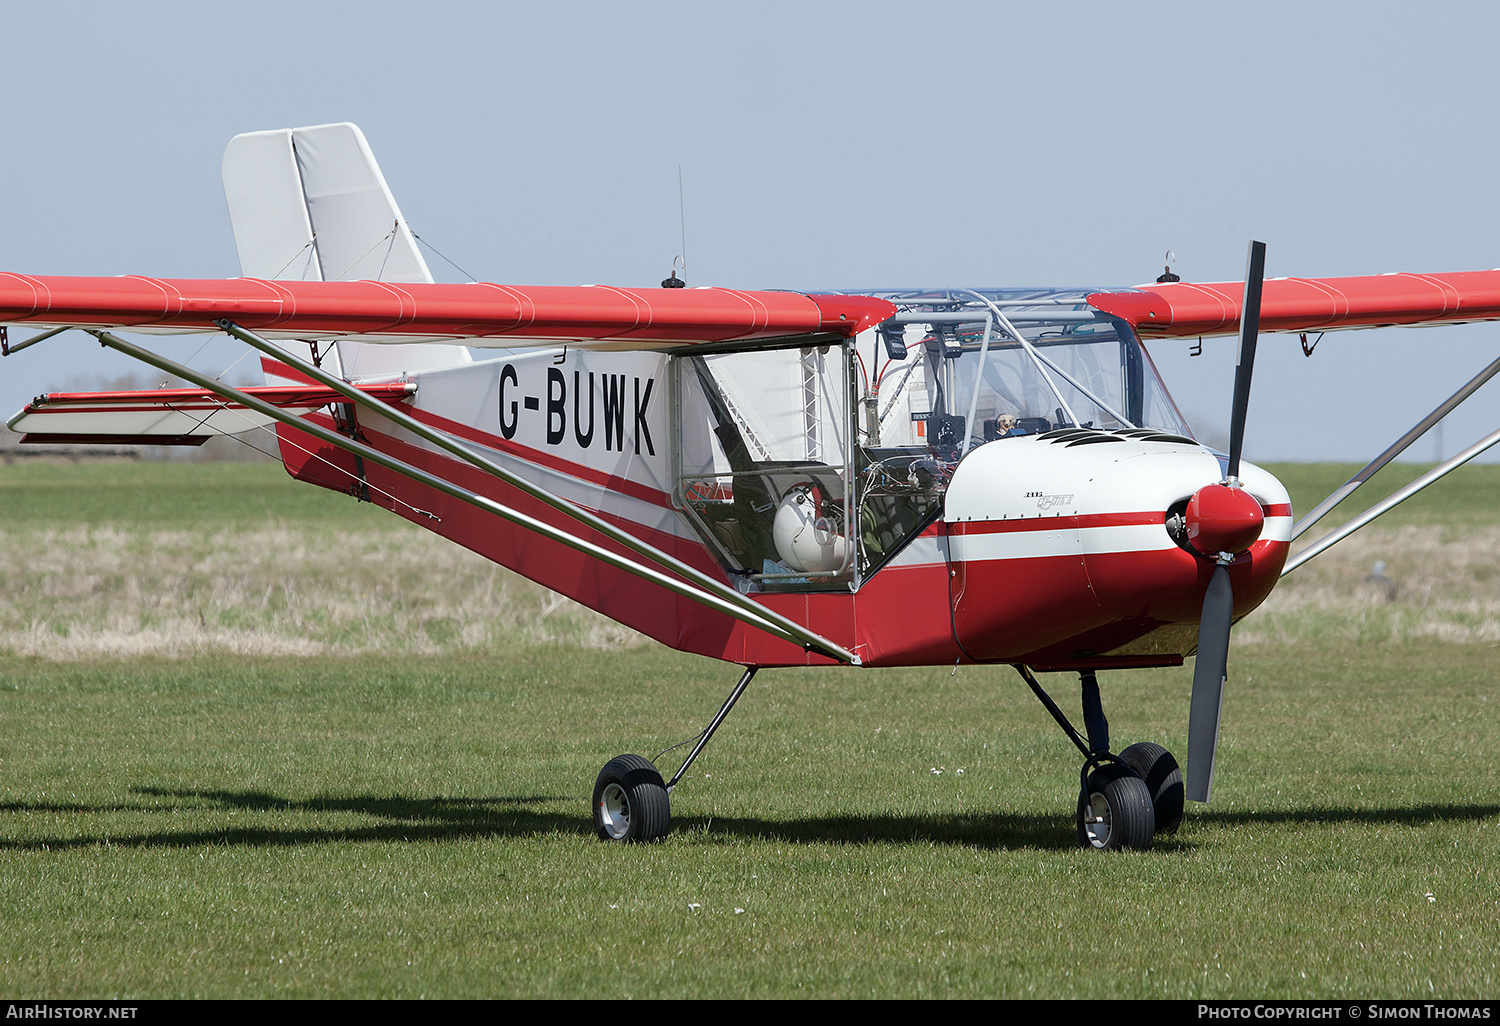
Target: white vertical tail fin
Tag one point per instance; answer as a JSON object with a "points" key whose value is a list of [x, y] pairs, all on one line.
{"points": [[310, 204]]}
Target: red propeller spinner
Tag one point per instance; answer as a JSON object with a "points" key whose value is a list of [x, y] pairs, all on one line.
{"points": [[1222, 518]]}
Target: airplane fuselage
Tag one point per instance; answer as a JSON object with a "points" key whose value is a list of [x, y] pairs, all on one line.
{"points": [[1051, 549]]}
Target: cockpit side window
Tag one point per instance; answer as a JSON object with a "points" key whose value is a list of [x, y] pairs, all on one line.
{"points": [[765, 460]]}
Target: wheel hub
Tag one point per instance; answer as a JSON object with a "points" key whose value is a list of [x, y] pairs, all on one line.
{"points": [[614, 811], [1096, 820]]}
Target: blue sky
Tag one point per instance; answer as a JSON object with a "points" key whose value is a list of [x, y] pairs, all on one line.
{"points": [[821, 145]]}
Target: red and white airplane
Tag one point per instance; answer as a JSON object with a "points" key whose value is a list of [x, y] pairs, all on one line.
{"points": [[875, 478]]}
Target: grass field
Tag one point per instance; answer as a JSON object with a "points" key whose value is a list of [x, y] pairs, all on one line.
{"points": [[251, 746]]}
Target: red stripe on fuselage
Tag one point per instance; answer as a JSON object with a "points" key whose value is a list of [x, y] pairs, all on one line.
{"points": [[1061, 521], [1064, 521], [592, 475], [468, 476]]}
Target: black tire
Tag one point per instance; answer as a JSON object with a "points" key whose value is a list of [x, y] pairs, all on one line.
{"points": [[1114, 811], [631, 801], [1163, 779]]}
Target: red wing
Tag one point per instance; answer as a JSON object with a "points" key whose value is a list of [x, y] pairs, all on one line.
{"points": [[1183, 309], [168, 416], [589, 316]]}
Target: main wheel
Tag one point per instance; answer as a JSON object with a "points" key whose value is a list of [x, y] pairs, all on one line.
{"points": [[631, 801], [1115, 811], [1163, 779]]}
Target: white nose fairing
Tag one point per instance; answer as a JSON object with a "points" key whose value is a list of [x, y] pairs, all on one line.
{"points": [[1061, 549]]}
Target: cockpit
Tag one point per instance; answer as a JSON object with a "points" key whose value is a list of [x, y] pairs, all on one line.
{"points": [[809, 467]]}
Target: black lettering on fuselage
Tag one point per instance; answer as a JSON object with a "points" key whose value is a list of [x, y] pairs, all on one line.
{"points": [[641, 402], [583, 437], [508, 427], [614, 393], [614, 412], [557, 406]]}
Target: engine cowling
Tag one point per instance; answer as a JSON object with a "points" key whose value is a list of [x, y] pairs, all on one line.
{"points": [[1060, 548]]}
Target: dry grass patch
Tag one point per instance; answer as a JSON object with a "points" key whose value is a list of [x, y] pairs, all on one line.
{"points": [[1436, 582], [90, 591]]}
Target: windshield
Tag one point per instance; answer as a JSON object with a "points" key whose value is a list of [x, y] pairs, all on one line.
{"points": [[957, 370]]}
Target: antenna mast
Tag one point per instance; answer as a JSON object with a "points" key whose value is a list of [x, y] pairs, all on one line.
{"points": [[675, 282]]}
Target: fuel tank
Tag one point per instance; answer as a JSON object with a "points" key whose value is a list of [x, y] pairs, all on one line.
{"points": [[1062, 555]]}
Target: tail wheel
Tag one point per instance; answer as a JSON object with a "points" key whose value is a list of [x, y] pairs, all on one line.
{"points": [[631, 801], [1163, 779], [1114, 811]]}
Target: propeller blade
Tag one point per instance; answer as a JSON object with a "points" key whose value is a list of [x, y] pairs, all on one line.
{"points": [[1255, 272], [1209, 672], [1212, 666]]}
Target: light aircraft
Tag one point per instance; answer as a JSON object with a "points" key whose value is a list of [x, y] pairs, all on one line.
{"points": [[886, 477]]}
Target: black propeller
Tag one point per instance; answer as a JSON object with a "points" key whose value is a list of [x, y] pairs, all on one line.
{"points": [[1212, 666]]}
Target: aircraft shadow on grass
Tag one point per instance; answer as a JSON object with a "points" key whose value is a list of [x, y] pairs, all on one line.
{"points": [[444, 818], [1000, 831]]}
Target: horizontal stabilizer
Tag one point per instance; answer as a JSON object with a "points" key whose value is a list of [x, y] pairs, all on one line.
{"points": [[169, 416]]}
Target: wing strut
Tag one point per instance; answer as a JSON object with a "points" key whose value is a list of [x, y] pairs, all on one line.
{"points": [[740, 607], [798, 633], [1391, 501], [1397, 448], [6, 348]]}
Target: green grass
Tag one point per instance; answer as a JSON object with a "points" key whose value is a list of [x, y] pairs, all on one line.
{"points": [[164, 496], [420, 827], [1464, 498], [408, 824], [175, 559]]}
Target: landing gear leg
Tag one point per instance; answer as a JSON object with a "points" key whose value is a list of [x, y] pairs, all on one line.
{"points": [[631, 802], [1093, 713], [1114, 805]]}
